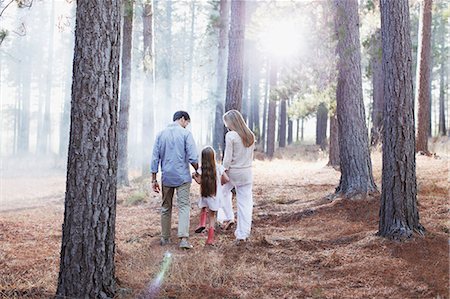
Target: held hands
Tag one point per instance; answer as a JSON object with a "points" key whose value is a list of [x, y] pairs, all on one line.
{"points": [[155, 186], [196, 176]]}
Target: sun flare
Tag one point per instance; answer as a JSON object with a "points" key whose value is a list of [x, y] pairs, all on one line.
{"points": [[281, 40]]}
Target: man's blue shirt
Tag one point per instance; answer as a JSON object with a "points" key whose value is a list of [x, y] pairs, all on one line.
{"points": [[175, 149]]}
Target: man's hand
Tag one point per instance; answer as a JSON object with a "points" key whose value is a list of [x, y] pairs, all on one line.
{"points": [[155, 186]]}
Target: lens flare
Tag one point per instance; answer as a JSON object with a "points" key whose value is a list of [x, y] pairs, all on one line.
{"points": [[154, 287]]}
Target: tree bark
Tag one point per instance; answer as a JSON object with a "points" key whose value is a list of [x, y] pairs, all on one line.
{"points": [[399, 216], [272, 112], [125, 84], [333, 158], [218, 140], [423, 77], [236, 56], [282, 124], [87, 249], [290, 128], [442, 75], [265, 108], [149, 67], [321, 126], [356, 166], [377, 87]]}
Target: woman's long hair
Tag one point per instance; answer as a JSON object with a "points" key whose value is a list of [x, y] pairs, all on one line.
{"points": [[208, 185], [235, 122]]}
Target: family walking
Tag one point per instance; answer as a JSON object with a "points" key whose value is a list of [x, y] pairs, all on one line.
{"points": [[175, 150]]}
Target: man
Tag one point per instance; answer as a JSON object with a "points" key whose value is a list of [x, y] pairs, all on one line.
{"points": [[175, 149]]}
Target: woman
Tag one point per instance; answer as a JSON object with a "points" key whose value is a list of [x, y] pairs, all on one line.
{"points": [[237, 161]]}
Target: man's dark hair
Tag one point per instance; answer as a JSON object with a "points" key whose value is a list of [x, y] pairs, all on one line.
{"points": [[180, 114]]}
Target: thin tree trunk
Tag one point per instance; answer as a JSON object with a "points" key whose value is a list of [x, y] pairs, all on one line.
{"points": [[23, 118], [423, 77], [377, 85], [399, 216], [87, 251], [125, 91], [290, 128], [271, 114], [333, 158], [43, 142], [265, 104], [147, 111], [356, 166], [218, 140], [442, 74], [298, 130], [302, 129], [321, 126], [191, 55], [282, 124], [236, 56]]}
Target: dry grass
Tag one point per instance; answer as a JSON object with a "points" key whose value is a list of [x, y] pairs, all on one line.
{"points": [[302, 245]]}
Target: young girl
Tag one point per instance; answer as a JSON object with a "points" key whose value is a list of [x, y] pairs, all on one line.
{"points": [[210, 176]]}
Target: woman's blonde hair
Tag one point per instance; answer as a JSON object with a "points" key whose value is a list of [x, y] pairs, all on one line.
{"points": [[234, 121], [208, 185]]}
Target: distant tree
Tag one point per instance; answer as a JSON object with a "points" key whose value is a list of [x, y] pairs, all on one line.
{"points": [[423, 77], [282, 123], [45, 98], [125, 85], [271, 113], [218, 141], [376, 73], [233, 98], [87, 249], [355, 164], [321, 125], [442, 58], [290, 134], [333, 153], [255, 78], [399, 216], [147, 111]]}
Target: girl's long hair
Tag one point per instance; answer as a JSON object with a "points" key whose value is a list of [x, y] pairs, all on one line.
{"points": [[235, 122], [208, 185]]}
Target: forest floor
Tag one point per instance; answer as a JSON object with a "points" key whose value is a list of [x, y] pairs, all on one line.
{"points": [[302, 244]]}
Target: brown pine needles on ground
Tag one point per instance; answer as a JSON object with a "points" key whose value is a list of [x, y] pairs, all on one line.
{"points": [[302, 245]]}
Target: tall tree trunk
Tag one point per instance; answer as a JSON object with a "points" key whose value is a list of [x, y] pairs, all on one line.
{"points": [[125, 91], [399, 216], [423, 76], [147, 111], [356, 166], [272, 112], [290, 128], [43, 142], [442, 75], [236, 56], [218, 140], [87, 249], [302, 129], [191, 55], [377, 86], [23, 120], [297, 137], [333, 158], [265, 104], [321, 126], [282, 124], [254, 96]]}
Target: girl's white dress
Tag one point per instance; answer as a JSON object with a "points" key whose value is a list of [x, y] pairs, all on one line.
{"points": [[213, 203]]}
